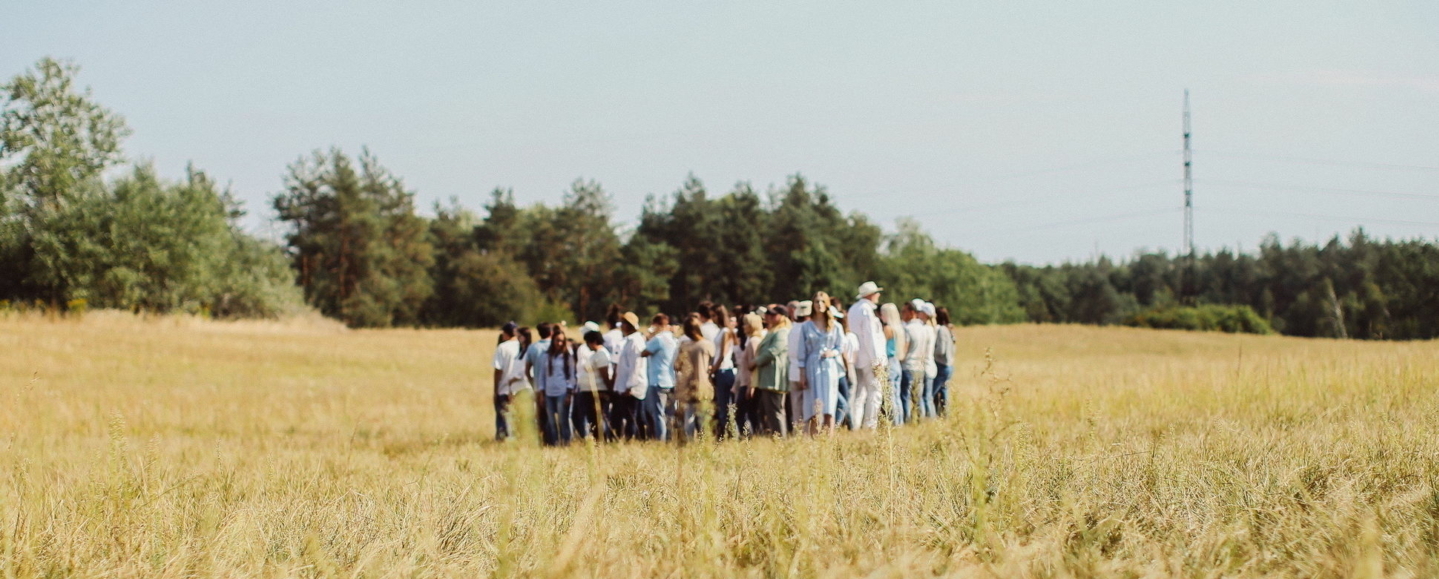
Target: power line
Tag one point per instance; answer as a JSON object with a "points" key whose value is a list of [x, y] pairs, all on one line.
{"points": [[1313, 161], [1351, 218], [1087, 220], [1306, 189], [1032, 200]]}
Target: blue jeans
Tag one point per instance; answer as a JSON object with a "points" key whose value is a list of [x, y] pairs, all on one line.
{"points": [[654, 413], [926, 398], [557, 423], [502, 417], [693, 418], [841, 408], [906, 379], [724, 383], [895, 406], [941, 388]]}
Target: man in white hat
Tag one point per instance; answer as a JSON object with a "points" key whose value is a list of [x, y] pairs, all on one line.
{"points": [[870, 358]]}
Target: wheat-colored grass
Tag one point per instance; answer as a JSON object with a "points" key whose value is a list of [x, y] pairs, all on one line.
{"points": [[183, 448]]}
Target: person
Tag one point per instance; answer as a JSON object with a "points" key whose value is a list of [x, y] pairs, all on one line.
{"points": [[800, 315], [821, 364], [770, 366], [894, 347], [558, 368], [694, 392], [869, 356], [533, 356], [660, 351], [725, 341], [754, 332], [709, 325], [595, 380], [847, 379], [916, 362], [931, 369], [631, 386], [943, 360], [508, 374], [614, 337]]}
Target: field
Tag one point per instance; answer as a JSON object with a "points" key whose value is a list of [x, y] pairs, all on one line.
{"points": [[177, 447]]}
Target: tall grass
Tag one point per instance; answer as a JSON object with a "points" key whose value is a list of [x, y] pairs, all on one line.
{"points": [[178, 448]]}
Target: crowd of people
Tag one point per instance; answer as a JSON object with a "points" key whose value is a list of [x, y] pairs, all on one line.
{"points": [[809, 366]]}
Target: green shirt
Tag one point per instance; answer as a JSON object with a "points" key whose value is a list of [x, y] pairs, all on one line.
{"points": [[772, 362]]}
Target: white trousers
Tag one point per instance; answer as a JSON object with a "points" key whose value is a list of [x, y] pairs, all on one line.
{"points": [[864, 399]]}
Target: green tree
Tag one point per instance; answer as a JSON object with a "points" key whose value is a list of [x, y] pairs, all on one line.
{"points": [[361, 252], [54, 140]]}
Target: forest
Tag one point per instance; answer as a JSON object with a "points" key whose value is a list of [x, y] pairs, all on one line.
{"points": [[81, 227]]}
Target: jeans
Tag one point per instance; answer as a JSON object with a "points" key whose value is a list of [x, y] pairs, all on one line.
{"points": [[624, 416], [589, 415], [655, 413], [724, 397], [906, 403], [896, 406], [502, 417], [557, 419], [941, 388], [694, 417], [841, 407], [926, 397]]}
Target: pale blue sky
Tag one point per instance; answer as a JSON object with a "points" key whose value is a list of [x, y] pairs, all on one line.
{"points": [[1039, 131]]}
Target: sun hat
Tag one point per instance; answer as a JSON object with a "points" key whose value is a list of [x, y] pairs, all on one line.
{"points": [[867, 289], [631, 319], [805, 308]]}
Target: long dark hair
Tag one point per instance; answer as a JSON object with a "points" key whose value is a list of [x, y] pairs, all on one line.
{"points": [[720, 317], [559, 347], [526, 338]]}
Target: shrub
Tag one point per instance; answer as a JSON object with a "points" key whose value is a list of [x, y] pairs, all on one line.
{"points": [[1206, 318]]}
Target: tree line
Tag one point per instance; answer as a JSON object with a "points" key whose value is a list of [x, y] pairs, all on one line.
{"points": [[357, 248]]}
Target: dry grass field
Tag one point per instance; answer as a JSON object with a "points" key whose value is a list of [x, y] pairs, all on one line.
{"points": [[184, 448]]}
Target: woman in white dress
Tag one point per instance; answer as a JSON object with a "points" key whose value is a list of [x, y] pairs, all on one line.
{"points": [[821, 364]]}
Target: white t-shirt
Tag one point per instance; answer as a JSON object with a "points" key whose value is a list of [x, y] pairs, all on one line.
{"points": [[794, 339], [726, 359], [921, 346], [614, 340], [708, 330], [591, 366], [511, 367]]}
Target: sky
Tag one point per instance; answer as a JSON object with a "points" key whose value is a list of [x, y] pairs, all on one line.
{"points": [[1040, 132]]}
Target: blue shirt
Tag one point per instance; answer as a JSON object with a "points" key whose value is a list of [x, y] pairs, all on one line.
{"points": [[535, 356], [661, 367]]}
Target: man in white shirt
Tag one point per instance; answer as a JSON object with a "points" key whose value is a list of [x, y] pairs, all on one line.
{"points": [[614, 338], [802, 311], [870, 358], [631, 383], [509, 374]]}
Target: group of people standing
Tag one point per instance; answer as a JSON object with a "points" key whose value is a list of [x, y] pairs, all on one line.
{"points": [[807, 366]]}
